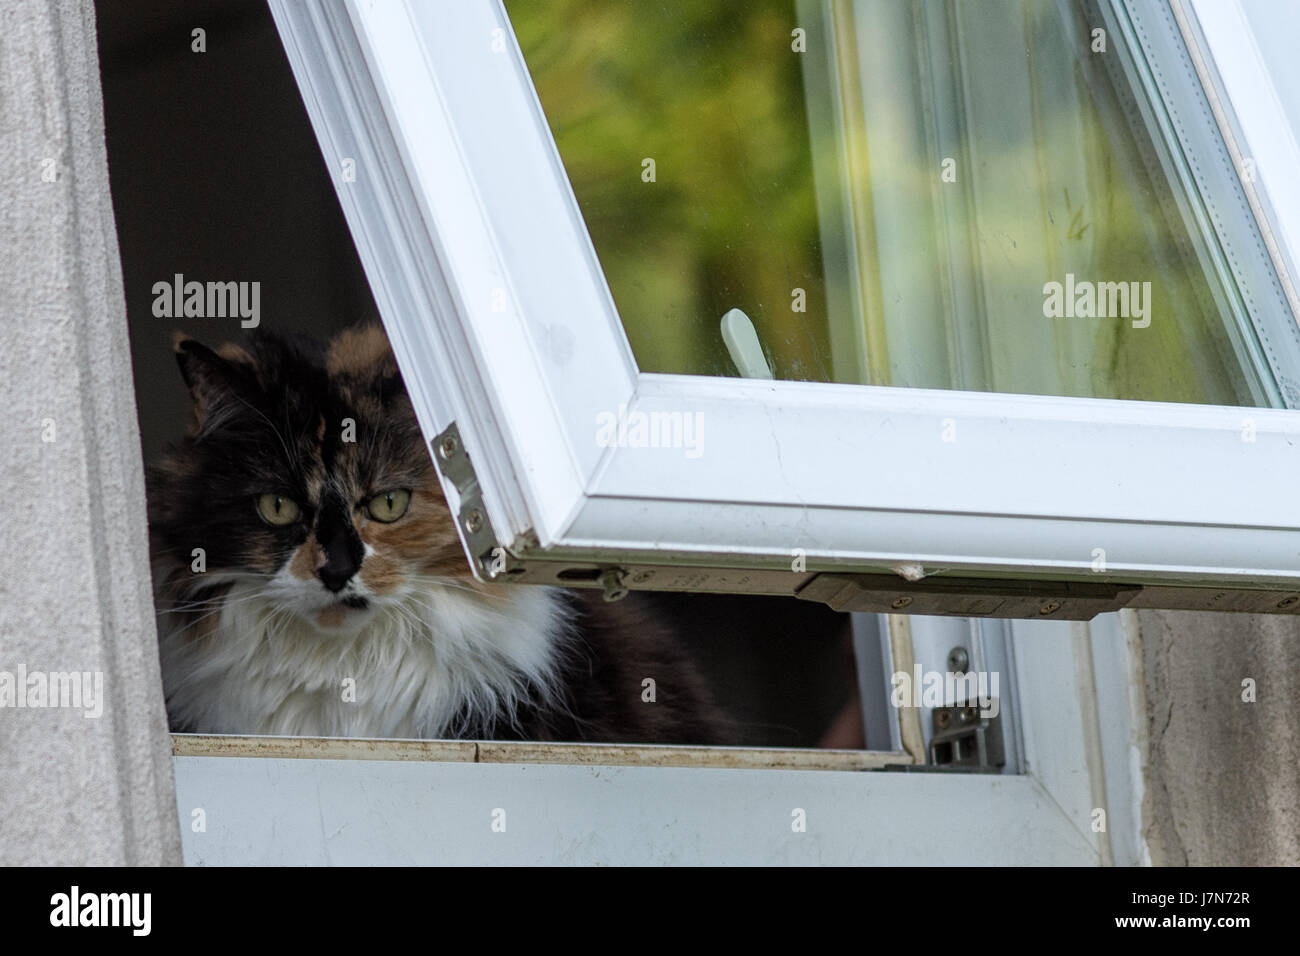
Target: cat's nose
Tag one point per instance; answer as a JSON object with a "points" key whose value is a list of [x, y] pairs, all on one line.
{"points": [[340, 544], [336, 579], [343, 556]]}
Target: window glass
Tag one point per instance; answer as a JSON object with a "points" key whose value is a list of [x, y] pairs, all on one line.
{"points": [[927, 194]]}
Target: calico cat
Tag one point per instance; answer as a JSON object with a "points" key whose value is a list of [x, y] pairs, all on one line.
{"points": [[331, 595]]}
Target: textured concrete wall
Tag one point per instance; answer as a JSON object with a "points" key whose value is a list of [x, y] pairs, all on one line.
{"points": [[74, 583], [1223, 781]]}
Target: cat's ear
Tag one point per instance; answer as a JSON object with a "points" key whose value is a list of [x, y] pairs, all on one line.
{"points": [[213, 379], [361, 352]]}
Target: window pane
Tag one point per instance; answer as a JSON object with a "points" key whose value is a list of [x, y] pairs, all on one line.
{"points": [[928, 194]]}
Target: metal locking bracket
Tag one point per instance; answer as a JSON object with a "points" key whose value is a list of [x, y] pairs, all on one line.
{"points": [[966, 739], [486, 553]]}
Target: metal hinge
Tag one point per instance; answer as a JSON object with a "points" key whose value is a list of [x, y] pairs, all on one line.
{"points": [[964, 740], [969, 737], [488, 556]]}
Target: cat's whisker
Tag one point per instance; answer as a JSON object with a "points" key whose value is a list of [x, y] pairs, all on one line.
{"points": [[450, 584], [189, 606], [223, 600], [218, 608]]}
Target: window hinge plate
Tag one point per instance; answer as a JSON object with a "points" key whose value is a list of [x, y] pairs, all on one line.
{"points": [[969, 737], [488, 556]]}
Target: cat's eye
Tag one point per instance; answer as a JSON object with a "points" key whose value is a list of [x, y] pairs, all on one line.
{"points": [[389, 505], [277, 509]]}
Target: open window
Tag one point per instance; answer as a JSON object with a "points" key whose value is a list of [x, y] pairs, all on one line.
{"points": [[965, 186]]}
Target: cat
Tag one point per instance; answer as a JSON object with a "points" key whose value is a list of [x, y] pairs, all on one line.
{"points": [[310, 581]]}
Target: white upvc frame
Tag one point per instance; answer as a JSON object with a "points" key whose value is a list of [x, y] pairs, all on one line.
{"points": [[295, 812], [503, 324]]}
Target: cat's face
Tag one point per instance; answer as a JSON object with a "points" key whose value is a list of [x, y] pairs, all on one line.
{"points": [[306, 473]]}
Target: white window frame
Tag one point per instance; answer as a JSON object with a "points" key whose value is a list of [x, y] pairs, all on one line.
{"points": [[504, 326], [498, 310]]}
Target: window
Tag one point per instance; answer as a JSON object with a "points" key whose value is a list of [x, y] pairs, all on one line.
{"points": [[516, 338], [809, 483]]}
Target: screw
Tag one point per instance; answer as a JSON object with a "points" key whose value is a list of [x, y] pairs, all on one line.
{"points": [[474, 521], [448, 447], [612, 581], [643, 577], [958, 660], [942, 719], [967, 714], [1287, 602], [1050, 607], [901, 603]]}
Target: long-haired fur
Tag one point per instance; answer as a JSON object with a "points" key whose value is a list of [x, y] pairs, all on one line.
{"points": [[338, 623]]}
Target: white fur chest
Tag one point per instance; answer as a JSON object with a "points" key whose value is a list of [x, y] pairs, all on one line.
{"points": [[418, 668]]}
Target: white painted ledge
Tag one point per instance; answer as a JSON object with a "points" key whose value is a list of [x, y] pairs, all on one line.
{"points": [[313, 811]]}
